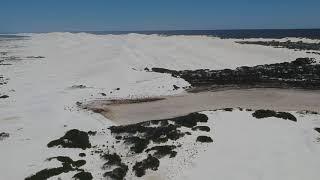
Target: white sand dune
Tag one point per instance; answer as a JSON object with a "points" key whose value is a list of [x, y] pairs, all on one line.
{"points": [[41, 106]]}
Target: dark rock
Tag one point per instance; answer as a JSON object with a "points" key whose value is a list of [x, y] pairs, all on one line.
{"points": [[201, 128], [162, 151], [4, 96], [92, 133], [204, 139], [72, 139], [83, 176], [48, 173], [118, 137], [175, 87], [163, 70], [82, 154], [269, 113], [112, 159], [67, 165], [66, 161], [35, 57], [117, 173], [150, 163], [190, 120], [317, 129], [139, 144], [3, 136], [79, 86], [228, 109], [307, 112]]}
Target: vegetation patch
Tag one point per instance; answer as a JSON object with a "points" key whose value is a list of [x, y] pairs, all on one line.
{"points": [[48, 173], [308, 112], [92, 133], [141, 134], [118, 173], [81, 86], [190, 120], [299, 45], [259, 114], [149, 163], [204, 139], [35, 57], [66, 161], [162, 151], [137, 136], [83, 176], [201, 128], [4, 135], [114, 160], [4, 96], [72, 139], [68, 165], [300, 73]]}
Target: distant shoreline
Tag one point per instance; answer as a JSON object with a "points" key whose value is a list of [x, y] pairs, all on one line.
{"points": [[310, 33]]}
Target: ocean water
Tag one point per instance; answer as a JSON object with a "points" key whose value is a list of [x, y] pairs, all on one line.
{"points": [[4, 37], [238, 34]]}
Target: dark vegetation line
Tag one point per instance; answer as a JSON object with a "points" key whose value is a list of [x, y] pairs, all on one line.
{"points": [[301, 73], [231, 33], [299, 45]]}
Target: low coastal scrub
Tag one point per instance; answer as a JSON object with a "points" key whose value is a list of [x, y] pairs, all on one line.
{"points": [[149, 163], [72, 139], [4, 135], [204, 139], [300, 73], [68, 165], [259, 114], [162, 151], [148, 141], [299, 45]]}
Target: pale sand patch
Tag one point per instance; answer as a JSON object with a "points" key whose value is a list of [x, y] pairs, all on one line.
{"points": [[171, 106]]}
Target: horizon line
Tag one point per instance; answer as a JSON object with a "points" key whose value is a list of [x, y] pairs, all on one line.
{"points": [[172, 30]]}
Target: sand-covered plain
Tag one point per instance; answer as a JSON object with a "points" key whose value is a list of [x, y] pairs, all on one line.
{"points": [[42, 105]]}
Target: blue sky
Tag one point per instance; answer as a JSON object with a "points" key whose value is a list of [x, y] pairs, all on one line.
{"points": [[99, 15]]}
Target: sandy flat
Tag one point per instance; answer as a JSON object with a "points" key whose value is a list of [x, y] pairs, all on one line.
{"points": [[276, 99]]}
